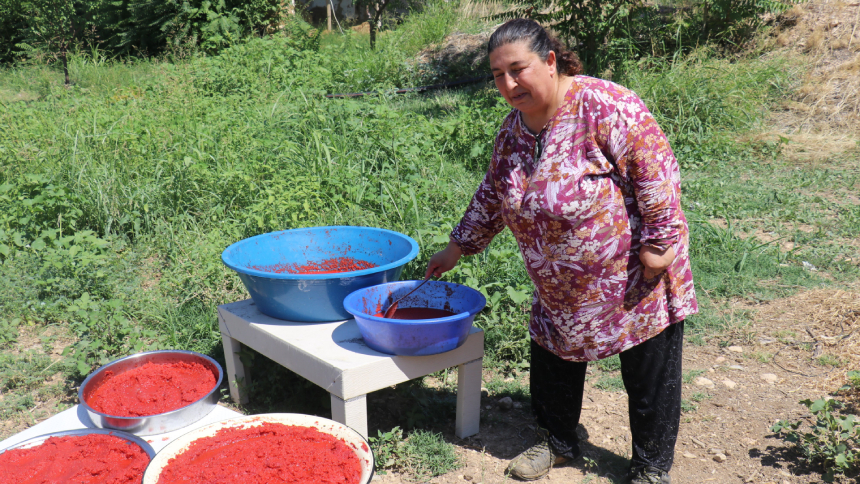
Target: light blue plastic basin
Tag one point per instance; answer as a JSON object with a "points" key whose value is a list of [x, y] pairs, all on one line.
{"points": [[316, 297]]}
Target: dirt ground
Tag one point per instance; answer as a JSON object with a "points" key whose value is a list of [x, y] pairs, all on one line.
{"points": [[746, 381]]}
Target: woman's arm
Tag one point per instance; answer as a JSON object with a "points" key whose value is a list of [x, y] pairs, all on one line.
{"points": [[643, 155], [482, 220]]}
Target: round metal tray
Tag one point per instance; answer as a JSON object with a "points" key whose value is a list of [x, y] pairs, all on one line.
{"points": [[82, 432], [339, 430], [152, 424]]}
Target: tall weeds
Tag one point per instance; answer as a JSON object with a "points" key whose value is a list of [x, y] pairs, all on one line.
{"points": [[162, 165], [701, 101]]}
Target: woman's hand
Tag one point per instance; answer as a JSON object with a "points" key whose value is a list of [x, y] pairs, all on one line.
{"points": [[444, 260], [655, 260]]}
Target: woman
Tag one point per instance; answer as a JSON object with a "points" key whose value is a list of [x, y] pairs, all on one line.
{"points": [[587, 183]]}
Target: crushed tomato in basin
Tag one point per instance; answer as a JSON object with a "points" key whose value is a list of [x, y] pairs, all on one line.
{"points": [[85, 459], [152, 388], [328, 266], [265, 454]]}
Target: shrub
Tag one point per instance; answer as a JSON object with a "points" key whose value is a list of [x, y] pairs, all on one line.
{"points": [[833, 442], [606, 34], [13, 23], [145, 27], [262, 66]]}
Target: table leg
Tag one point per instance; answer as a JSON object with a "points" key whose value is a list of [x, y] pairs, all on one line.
{"points": [[236, 374], [468, 398], [352, 412]]}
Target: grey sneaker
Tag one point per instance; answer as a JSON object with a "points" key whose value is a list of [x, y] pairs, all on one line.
{"points": [[535, 462], [650, 475]]}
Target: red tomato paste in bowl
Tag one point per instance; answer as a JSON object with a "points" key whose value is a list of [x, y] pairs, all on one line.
{"points": [[80, 459], [152, 388], [327, 266], [414, 314], [270, 453]]}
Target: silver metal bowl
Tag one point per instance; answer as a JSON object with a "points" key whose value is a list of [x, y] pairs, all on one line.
{"points": [[82, 432], [352, 438], [151, 424]]}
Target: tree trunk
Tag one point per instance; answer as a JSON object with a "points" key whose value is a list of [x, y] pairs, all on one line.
{"points": [[374, 22], [65, 63]]}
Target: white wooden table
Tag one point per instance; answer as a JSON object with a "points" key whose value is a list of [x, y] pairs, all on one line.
{"points": [[335, 357]]}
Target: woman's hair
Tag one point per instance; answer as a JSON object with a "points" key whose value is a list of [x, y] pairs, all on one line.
{"points": [[538, 41]]}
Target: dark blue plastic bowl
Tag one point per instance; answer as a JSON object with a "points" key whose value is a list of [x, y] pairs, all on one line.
{"points": [[415, 337], [318, 297]]}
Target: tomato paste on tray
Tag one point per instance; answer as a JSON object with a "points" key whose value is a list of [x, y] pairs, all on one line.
{"points": [[271, 453], [80, 459], [327, 266], [152, 389], [417, 313]]}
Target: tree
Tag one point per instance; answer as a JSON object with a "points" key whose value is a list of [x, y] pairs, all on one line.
{"points": [[603, 32], [51, 29], [13, 22], [589, 25], [377, 8]]}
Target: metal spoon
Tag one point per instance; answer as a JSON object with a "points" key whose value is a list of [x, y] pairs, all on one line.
{"points": [[389, 313]]}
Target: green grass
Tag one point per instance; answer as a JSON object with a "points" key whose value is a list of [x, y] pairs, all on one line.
{"points": [[612, 363], [609, 375], [762, 356], [687, 406], [610, 383], [498, 387], [830, 360], [691, 375], [702, 102], [422, 454], [853, 380], [26, 381], [427, 455]]}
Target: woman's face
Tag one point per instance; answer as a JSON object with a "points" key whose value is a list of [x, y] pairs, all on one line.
{"points": [[525, 81]]}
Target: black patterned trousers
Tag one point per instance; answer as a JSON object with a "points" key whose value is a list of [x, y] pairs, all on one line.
{"points": [[652, 376]]}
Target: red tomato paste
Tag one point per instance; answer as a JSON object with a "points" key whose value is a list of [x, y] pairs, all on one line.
{"points": [[270, 453], [327, 266], [152, 389], [85, 459], [417, 313]]}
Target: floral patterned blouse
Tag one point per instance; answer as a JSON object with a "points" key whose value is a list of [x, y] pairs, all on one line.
{"points": [[605, 182]]}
